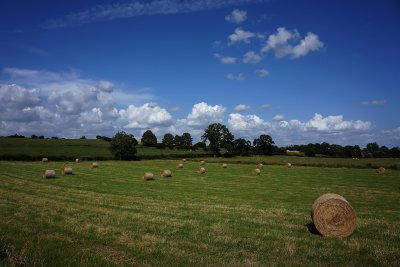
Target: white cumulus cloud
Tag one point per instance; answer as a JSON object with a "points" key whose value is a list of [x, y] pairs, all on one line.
{"points": [[279, 117], [145, 116], [247, 126], [241, 107], [105, 86], [225, 59], [336, 123], [251, 58], [283, 43], [262, 73], [202, 115], [241, 35], [232, 77], [237, 16]]}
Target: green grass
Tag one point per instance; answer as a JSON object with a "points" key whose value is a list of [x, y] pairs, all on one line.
{"points": [[63, 149], [110, 217], [55, 147], [393, 163]]}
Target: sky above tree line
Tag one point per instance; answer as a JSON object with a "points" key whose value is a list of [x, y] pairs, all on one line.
{"points": [[300, 71]]}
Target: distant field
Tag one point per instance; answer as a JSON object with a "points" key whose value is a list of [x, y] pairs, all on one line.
{"points": [[393, 163], [110, 217], [34, 149], [69, 149]]}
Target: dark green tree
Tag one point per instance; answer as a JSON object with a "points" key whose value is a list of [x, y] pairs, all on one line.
{"points": [[241, 147], [263, 145], [177, 140], [394, 152], [123, 146], [371, 149], [219, 137], [186, 140], [168, 140], [149, 139]]}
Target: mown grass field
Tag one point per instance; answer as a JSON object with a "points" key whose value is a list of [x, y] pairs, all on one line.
{"points": [[110, 217]]}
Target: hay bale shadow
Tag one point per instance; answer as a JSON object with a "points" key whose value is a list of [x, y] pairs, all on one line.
{"points": [[312, 229]]}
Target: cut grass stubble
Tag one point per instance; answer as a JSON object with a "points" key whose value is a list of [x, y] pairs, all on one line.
{"points": [[222, 217]]}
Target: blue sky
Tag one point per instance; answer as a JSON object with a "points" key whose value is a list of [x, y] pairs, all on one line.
{"points": [[300, 71]]}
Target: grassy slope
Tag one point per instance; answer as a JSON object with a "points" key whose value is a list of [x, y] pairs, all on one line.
{"points": [[72, 148], [109, 216]]}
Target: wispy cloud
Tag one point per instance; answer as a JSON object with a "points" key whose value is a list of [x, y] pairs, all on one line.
{"points": [[378, 102], [140, 8]]}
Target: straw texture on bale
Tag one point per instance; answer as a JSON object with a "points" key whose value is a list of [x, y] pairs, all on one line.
{"points": [[202, 162], [333, 216], [166, 173], [77, 160], [224, 165], [45, 159], [256, 172], [49, 174], [66, 170], [201, 170], [180, 166], [95, 165], [148, 176], [381, 170]]}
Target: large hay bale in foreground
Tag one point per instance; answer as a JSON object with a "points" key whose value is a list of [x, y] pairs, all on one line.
{"points": [[45, 160], [333, 216], [66, 170], [49, 174], [148, 176], [381, 170], [256, 172], [95, 165], [166, 173], [201, 170]]}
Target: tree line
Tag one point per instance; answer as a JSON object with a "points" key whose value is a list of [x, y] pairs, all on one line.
{"points": [[221, 142]]}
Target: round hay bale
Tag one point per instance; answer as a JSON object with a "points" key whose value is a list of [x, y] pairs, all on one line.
{"points": [[49, 174], [202, 162], [184, 160], [224, 165], [256, 172], [148, 176], [289, 165], [333, 216], [166, 173], [180, 166], [381, 170], [77, 160], [259, 165], [95, 165], [66, 170], [45, 160], [201, 170]]}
